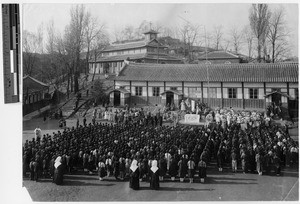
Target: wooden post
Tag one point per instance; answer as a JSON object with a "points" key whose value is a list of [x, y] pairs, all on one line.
{"points": [[147, 99], [130, 94], [243, 97], [288, 99], [182, 84], [202, 92], [222, 96], [265, 92]]}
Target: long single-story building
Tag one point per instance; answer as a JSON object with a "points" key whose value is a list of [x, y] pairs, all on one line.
{"points": [[241, 86], [35, 94]]}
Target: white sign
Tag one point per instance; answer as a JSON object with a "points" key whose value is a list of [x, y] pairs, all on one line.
{"points": [[191, 118]]}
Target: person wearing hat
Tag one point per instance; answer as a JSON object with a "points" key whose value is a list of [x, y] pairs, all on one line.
{"points": [[134, 181], [58, 171], [154, 176]]}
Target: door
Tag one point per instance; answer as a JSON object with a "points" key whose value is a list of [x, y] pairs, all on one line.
{"points": [[276, 98], [169, 98], [117, 98]]}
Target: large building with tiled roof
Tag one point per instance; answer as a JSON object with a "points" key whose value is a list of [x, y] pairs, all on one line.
{"points": [[243, 86], [148, 50], [220, 57]]}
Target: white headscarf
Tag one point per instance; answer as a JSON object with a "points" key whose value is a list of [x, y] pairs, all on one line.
{"points": [[154, 167], [57, 162], [134, 166]]}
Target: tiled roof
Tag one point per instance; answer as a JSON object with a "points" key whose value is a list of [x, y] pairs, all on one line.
{"points": [[216, 72], [218, 55], [125, 46], [130, 45], [137, 56], [151, 31]]}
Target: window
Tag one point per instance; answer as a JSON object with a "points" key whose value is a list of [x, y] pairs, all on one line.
{"points": [[173, 88], [155, 91], [227, 62], [212, 92], [138, 90], [253, 93], [275, 90], [194, 92], [232, 92]]}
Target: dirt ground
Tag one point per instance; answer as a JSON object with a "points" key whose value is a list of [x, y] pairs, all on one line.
{"points": [[225, 186]]}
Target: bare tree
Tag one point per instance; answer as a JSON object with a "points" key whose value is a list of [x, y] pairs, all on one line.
{"points": [[98, 45], [217, 36], [94, 31], [236, 39], [74, 37], [277, 34], [248, 38], [188, 33], [40, 38], [225, 44], [50, 45], [30, 50], [259, 21], [128, 32]]}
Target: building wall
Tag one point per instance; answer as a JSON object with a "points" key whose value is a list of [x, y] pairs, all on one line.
{"points": [[215, 94]]}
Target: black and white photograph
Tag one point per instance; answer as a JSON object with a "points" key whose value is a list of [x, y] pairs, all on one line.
{"points": [[160, 102]]}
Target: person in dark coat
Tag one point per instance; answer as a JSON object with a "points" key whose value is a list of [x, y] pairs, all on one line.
{"points": [[173, 168], [116, 166], [162, 168], [101, 169], [122, 168], [182, 164], [31, 167], [51, 167], [202, 170], [134, 182], [154, 176], [58, 171], [25, 164], [277, 167]]}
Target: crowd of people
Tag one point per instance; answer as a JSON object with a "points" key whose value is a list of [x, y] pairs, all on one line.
{"points": [[136, 146]]}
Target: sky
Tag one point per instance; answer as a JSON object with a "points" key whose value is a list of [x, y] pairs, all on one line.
{"points": [[117, 16]]}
